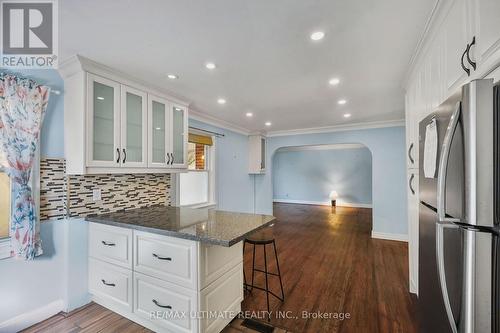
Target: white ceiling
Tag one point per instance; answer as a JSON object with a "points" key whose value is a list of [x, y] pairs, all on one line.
{"points": [[266, 62]]}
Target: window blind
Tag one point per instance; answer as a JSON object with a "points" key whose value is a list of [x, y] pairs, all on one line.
{"points": [[200, 139]]}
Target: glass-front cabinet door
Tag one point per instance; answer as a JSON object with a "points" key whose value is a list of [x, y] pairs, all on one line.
{"points": [[103, 118], [179, 136], [133, 127], [158, 132]]}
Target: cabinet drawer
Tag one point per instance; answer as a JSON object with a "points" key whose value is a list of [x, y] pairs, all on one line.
{"points": [[110, 283], [111, 244], [167, 258], [165, 304], [224, 295]]}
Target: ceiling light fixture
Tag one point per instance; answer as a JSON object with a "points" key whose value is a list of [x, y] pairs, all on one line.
{"points": [[347, 115], [268, 123], [342, 101], [317, 35], [172, 76], [210, 65], [249, 114], [221, 101], [334, 81]]}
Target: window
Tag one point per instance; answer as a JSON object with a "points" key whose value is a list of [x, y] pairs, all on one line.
{"points": [[196, 186]]}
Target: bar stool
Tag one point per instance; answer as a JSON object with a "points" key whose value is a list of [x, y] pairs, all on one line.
{"points": [[263, 237]]}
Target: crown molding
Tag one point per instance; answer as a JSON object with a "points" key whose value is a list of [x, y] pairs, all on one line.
{"points": [[338, 146], [77, 64], [433, 22], [338, 128], [214, 121]]}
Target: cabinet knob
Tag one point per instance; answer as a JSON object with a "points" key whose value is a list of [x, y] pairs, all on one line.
{"points": [[162, 258], [462, 60], [118, 153]]}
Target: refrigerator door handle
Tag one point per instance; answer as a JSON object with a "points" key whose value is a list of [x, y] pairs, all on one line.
{"points": [[443, 165], [441, 270]]}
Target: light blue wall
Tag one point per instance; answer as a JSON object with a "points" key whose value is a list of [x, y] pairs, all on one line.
{"points": [[60, 274], [387, 146], [310, 175], [234, 185]]}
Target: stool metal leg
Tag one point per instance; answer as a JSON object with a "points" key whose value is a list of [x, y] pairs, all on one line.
{"points": [[267, 285], [253, 268], [279, 272], [245, 286]]}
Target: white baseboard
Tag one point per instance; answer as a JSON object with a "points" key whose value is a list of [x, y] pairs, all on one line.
{"points": [[323, 203], [390, 236], [28, 319]]}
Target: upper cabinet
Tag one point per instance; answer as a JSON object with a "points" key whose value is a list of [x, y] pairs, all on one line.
{"points": [[116, 125], [257, 154], [485, 25]]}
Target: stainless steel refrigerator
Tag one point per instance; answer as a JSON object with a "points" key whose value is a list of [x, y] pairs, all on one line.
{"points": [[458, 213]]}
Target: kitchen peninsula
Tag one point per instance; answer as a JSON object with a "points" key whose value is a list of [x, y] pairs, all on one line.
{"points": [[170, 269]]}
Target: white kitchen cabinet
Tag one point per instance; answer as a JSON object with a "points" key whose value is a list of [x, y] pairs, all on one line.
{"points": [[103, 118], [486, 27], [168, 134], [437, 73], [159, 132], [456, 30], [115, 124], [257, 154], [136, 273], [413, 207], [179, 136], [133, 119]]}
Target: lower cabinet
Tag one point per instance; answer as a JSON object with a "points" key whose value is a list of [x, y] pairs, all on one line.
{"points": [[172, 285], [165, 304], [111, 283]]}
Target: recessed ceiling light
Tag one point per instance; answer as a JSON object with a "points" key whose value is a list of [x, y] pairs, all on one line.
{"points": [[210, 65], [249, 114], [317, 35], [347, 115], [268, 123], [221, 101], [342, 101], [100, 98], [334, 81], [157, 128], [172, 76]]}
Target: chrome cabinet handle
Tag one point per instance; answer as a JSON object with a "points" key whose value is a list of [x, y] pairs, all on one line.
{"points": [[162, 258], [108, 244], [124, 155], [108, 284], [472, 63], [440, 226], [161, 306], [462, 61], [410, 149], [443, 165], [118, 152], [410, 183]]}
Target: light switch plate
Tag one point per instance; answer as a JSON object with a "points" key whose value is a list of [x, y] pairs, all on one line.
{"points": [[96, 194]]}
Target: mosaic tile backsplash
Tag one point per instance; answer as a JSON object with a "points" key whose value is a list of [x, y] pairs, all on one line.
{"points": [[71, 196]]}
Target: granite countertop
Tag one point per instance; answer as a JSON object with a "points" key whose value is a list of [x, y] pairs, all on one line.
{"points": [[200, 224]]}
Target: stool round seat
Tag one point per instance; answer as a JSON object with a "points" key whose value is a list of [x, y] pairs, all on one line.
{"points": [[261, 237]]}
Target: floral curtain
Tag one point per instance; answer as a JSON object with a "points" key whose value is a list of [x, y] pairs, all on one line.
{"points": [[22, 106]]}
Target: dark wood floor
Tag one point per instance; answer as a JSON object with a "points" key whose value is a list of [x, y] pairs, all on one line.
{"points": [[330, 263]]}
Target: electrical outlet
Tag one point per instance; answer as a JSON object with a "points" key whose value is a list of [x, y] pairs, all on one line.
{"points": [[96, 194]]}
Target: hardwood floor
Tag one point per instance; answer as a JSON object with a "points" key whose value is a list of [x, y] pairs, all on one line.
{"points": [[330, 263]]}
